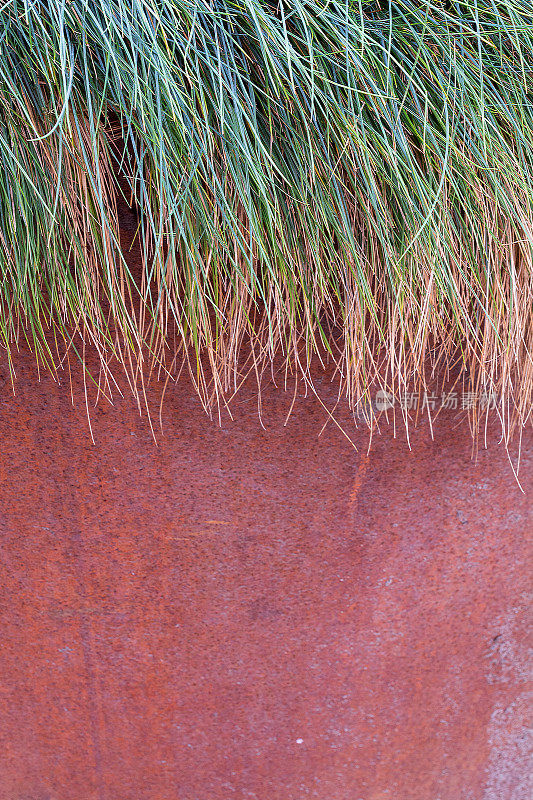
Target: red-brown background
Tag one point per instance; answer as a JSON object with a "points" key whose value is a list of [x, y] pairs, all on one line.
{"points": [[249, 613]]}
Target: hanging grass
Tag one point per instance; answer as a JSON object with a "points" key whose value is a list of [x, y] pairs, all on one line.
{"points": [[348, 181]]}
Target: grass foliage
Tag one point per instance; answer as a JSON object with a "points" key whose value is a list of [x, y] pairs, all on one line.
{"points": [[347, 181]]}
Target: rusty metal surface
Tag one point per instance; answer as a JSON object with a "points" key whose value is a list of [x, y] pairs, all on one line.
{"points": [[241, 613]]}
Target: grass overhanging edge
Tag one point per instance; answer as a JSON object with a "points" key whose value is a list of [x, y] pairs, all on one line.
{"points": [[344, 181]]}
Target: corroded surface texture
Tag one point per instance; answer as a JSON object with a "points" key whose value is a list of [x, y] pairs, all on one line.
{"points": [[241, 613]]}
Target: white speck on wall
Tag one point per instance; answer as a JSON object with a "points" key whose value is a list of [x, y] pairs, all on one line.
{"points": [[299, 741]]}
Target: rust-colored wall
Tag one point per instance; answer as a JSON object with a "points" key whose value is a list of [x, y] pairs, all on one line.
{"points": [[257, 615]]}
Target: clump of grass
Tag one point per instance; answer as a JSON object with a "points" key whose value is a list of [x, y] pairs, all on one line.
{"points": [[344, 180]]}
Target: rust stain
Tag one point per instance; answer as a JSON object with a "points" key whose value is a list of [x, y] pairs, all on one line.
{"points": [[359, 478], [341, 637]]}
